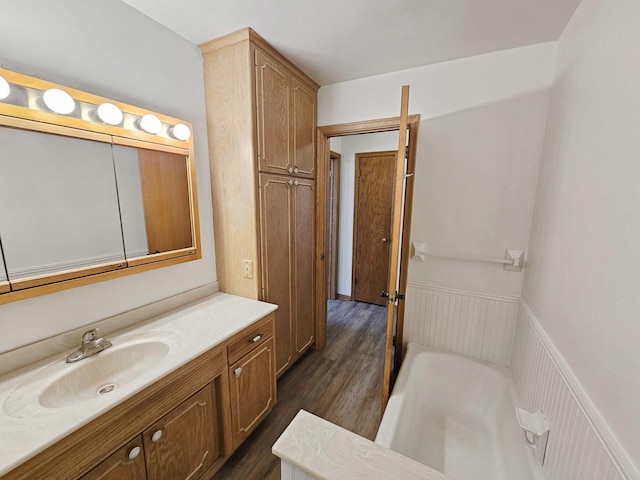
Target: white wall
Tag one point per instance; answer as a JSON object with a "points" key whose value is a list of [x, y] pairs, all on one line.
{"points": [[348, 147], [583, 278], [109, 49], [481, 133]]}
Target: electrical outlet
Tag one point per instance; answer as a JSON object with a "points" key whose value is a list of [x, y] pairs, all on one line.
{"points": [[247, 268]]}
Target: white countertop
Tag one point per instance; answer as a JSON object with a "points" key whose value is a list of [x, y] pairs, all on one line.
{"points": [[318, 449], [26, 428]]}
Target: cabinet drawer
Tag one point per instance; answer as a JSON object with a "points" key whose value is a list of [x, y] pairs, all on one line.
{"points": [[249, 339]]}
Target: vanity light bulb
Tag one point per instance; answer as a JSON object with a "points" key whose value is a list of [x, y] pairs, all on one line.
{"points": [[110, 114], [180, 131], [5, 89], [59, 101], [150, 124]]}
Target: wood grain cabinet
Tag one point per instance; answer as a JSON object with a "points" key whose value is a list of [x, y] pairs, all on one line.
{"points": [[126, 464], [182, 427], [181, 445], [261, 112]]}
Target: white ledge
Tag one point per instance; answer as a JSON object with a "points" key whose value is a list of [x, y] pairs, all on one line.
{"points": [[329, 452]]}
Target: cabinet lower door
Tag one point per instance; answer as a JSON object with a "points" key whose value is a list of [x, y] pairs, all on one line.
{"points": [[276, 238], [303, 221], [186, 441], [252, 388], [125, 464]]}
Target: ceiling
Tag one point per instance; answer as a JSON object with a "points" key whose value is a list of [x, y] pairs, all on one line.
{"points": [[338, 40]]}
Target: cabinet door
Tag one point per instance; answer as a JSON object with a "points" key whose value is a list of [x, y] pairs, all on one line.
{"points": [[276, 238], [303, 221], [273, 85], [125, 464], [304, 129], [252, 385], [186, 441]]}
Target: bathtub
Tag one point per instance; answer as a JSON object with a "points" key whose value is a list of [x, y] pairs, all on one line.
{"points": [[456, 415]]}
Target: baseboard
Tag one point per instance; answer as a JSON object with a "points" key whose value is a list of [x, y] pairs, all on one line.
{"points": [[344, 297]]}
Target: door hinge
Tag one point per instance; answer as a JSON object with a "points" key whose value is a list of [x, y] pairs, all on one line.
{"points": [[406, 152], [393, 341]]}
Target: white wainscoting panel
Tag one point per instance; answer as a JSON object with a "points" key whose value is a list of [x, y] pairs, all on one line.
{"points": [[476, 324], [577, 449], [291, 472]]}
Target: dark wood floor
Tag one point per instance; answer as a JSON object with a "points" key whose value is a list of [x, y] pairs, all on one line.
{"points": [[341, 383]]}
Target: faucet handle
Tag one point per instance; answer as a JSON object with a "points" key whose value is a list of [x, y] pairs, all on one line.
{"points": [[90, 335]]}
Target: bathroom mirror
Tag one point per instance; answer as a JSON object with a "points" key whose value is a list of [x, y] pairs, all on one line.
{"points": [[83, 199]]}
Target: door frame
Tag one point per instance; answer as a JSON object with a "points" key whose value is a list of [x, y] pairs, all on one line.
{"points": [[333, 207], [355, 214], [324, 133]]}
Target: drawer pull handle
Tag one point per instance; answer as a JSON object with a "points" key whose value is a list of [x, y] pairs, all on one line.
{"points": [[256, 338], [156, 435], [135, 451], [238, 371]]}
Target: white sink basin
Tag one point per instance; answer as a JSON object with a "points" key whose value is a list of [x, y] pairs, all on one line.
{"points": [[103, 373], [62, 385]]}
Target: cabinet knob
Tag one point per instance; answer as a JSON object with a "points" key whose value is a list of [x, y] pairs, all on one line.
{"points": [[157, 435], [238, 371], [290, 170], [295, 170], [296, 182], [134, 452], [290, 182]]}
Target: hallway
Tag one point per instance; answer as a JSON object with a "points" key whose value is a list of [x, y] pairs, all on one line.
{"points": [[340, 384]]}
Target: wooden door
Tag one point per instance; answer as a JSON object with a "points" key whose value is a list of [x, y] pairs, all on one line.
{"points": [[125, 464], [165, 194], [372, 225], [277, 272], [304, 129], [252, 390], [393, 283], [273, 85], [186, 441], [333, 224], [303, 227]]}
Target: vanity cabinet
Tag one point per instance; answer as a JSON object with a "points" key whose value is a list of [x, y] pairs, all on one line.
{"points": [[252, 386], [126, 464], [261, 112], [186, 442], [184, 426]]}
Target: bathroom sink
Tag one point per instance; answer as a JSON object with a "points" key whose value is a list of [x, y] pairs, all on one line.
{"points": [[103, 373], [115, 369]]}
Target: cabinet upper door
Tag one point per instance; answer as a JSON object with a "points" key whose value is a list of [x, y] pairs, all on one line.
{"points": [[304, 129], [125, 464], [186, 441], [273, 114], [303, 221]]}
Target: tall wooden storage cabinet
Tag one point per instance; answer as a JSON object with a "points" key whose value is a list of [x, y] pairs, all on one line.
{"points": [[261, 112]]}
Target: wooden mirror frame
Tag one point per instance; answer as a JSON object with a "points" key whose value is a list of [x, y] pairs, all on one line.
{"points": [[84, 127]]}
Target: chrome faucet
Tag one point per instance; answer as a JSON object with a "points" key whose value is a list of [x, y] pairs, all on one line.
{"points": [[91, 345]]}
